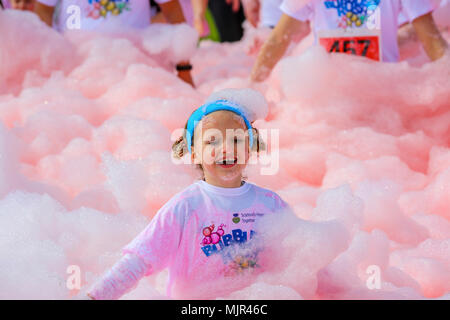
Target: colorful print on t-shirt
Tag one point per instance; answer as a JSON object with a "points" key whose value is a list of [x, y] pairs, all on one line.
{"points": [[232, 242], [105, 8], [353, 12]]}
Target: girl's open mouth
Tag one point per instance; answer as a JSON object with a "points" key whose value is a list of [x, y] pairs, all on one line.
{"points": [[227, 163]]}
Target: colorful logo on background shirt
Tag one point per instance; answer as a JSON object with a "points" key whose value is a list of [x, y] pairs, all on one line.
{"points": [[104, 8], [236, 218], [353, 12]]}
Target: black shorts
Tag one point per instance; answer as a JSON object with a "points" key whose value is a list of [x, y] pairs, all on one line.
{"points": [[228, 23]]}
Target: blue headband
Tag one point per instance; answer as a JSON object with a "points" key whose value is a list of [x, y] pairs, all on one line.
{"points": [[208, 108]]}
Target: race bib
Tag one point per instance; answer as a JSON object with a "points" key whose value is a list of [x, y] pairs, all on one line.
{"points": [[364, 43]]}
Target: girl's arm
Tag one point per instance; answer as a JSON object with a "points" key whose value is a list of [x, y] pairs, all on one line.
{"points": [[120, 279], [44, 12], [174, 14], [432, 40], [276, 45], [199, 9]]}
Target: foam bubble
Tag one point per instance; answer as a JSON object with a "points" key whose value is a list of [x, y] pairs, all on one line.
{"points": [[253, 102], [87, 118]]}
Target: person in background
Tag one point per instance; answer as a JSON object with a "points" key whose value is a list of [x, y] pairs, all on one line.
{"points": [[131, 13], [92, 13], [225, 16], [197, 15], [228, 17], [365, 28]]}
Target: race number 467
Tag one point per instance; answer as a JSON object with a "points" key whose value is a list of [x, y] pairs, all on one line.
{"points": [[361, 46]]}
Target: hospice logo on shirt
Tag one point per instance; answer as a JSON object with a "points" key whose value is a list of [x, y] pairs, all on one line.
{"points": [[249, 217], [354, 13]]}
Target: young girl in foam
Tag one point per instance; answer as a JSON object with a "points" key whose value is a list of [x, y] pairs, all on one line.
{"points": [[203, 233]]}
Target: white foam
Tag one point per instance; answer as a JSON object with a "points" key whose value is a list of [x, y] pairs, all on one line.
{"points": [[254, 104]]}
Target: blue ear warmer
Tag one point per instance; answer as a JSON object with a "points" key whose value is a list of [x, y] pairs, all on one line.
{"points": [[208, 108]]}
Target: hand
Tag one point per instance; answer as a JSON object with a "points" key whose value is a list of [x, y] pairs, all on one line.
{"points": [[428, 33], [185, 75], [199, 9], [251, 11], [257, 38], [235, 4]]}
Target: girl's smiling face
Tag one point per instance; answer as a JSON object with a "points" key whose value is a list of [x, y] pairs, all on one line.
{"points": [[221, 146]]}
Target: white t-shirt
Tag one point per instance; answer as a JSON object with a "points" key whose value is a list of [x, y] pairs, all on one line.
{"points": [[270, 12], [188, 12], [90, 14], [203, 233], [360, 16]]}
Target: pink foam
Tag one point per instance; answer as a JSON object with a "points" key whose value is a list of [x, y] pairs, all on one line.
{"points": [[87, 122]]}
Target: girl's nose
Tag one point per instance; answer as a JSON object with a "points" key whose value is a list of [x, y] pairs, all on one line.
{"points": [[228, 146], [228, 149]]}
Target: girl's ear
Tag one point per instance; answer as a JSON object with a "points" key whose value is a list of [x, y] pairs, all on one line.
{"points": [[193, 158], [258, 142]]}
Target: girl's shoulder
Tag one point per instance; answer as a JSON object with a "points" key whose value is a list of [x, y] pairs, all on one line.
{"points": [[269, 198], [185, 198]]}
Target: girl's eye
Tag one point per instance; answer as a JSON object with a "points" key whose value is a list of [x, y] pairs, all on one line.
{"points": [[212, 141]]}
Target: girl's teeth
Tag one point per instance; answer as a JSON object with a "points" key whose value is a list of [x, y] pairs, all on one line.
{"points": [[224, 162]]}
